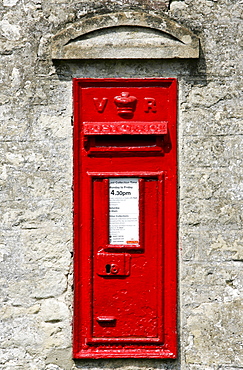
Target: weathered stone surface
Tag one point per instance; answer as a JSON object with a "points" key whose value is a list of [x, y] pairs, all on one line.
{"points": [[36, 179], [125, 35]]}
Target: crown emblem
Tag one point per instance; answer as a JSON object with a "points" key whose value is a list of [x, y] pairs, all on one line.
{"points": [[125, 104]]}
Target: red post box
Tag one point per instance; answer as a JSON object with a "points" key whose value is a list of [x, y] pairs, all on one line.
{"points": [[125, 218]]}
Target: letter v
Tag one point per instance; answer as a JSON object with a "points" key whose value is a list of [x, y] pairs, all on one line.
{"points": [[100, 105]]}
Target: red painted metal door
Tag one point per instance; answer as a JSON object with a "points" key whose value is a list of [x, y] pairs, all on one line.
{"points": [[125, 218], [131, 296]]}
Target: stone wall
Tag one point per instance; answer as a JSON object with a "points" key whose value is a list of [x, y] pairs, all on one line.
{"points": [[36, 183]]}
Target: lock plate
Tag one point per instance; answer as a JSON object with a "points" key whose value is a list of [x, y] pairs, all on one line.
{"points": [[113, 264]]}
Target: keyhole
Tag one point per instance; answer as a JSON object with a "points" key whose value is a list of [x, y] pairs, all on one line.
{"points": [[108, 269]]}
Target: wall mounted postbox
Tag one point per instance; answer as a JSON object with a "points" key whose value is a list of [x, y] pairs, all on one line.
{"points": [[125, 218]]}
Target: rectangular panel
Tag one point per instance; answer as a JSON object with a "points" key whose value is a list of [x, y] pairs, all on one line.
{"points": [[120, 110], [126, 286], [123, 211]]}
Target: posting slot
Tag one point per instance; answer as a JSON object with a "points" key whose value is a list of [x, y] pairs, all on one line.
{"points": [[124, 143]]}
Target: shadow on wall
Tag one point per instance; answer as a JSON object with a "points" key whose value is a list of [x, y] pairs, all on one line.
{"points": [[190, 70], [129, 363]]}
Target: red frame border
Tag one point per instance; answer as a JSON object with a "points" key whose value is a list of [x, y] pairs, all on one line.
{"points": [[81, 350]]}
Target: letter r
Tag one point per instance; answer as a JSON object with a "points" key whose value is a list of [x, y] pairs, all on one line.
{"points": [[150, 105]]}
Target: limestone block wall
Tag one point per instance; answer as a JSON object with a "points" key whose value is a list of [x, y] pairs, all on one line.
{"points": [[36, 183]]}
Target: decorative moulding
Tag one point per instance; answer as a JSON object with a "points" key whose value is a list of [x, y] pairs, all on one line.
{"points": [[125, 35]]}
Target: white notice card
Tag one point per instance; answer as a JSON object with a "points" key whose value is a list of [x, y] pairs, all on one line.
{"points": [[124, 210]]}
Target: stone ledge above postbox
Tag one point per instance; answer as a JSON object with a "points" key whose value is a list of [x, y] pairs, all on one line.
{"points": [[125, 35]]}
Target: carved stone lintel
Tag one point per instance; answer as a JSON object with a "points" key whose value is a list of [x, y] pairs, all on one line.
{"points": [[130, 35]]}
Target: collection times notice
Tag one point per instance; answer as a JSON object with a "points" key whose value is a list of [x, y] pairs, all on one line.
{"points": [[124, 210]]}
